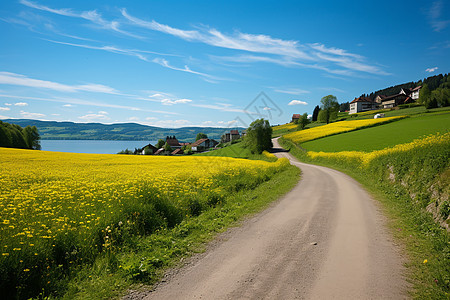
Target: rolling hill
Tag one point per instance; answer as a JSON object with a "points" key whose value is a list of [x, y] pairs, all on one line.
{"points": [[51, 130]]}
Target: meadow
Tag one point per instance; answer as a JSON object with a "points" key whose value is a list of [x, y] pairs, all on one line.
{"points": [[380, 137], [310, 134], [60, 212]]}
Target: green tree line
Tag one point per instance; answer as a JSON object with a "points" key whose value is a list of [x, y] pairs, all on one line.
{"points": [[14, 136]]}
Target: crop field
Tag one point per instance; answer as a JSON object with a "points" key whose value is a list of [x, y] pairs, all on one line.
{"points": [[59, 210], [334, 128], [380, 137], [283, 129]]}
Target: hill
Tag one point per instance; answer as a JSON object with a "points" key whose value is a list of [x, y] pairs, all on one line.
{"points": [[51, 130]]}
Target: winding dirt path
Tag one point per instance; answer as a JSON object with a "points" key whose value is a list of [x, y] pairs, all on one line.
{"points": [[325, 239]]}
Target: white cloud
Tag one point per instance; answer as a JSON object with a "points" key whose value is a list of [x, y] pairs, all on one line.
{"points": [[4, 117], [297, 102], [431, 70], [151, 118], [8, 104], [22, 80], [171, 102], [170, 123], [21, 104], [133, 119], [267, 108], [68, 105], [102, 112], [30, 115], [4, 108]]}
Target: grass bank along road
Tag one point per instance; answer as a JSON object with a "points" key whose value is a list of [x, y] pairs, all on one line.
{"points": [[324, 239]]}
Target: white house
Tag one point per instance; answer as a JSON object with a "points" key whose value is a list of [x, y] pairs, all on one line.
{"points": [[361, 104]]}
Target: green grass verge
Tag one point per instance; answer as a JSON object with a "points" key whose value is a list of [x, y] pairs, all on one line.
{"points": [[145, 262], [380, 137], [237, 150], [427, 245]]}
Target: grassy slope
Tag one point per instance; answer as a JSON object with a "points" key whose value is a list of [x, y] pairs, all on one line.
{"points": [[384, 136]]}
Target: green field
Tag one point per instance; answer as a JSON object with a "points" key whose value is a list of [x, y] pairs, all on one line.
{"points": [[237, 151], [380, 137]]}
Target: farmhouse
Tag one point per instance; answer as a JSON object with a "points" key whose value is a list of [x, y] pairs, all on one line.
{"points": [[362, 104], [173, 142], [295, 117], [203, 144], [394, 100], [230, 136], [149, 149]]}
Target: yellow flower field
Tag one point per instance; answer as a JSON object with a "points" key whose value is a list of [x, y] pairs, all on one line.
{"points": [[366, 157], [70, 203], [334, 128]]}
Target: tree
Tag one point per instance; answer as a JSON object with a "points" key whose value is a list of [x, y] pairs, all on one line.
{"points": [[200, 136], [323, 116], [259, 136], [160, 144], [303, 121], [315, 113], [331, 105], [344, 106], [424, 94], [167, 147]]}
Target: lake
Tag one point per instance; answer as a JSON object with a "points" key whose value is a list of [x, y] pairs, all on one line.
{"points": [[91, 146]]}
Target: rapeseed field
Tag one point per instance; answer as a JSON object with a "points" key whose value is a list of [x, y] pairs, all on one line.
{"points": [[334, 128], [58, 210]]}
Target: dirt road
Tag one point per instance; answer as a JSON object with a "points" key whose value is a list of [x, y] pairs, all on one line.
{"points": [[325, 239]]}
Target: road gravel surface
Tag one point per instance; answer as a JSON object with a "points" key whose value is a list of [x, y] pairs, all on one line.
{"points": [[325, 239]]}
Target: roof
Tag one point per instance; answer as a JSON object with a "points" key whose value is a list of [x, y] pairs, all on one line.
{"points": [[416, 88], [172, 142], [381, 96], [362, 99], [177, 151], [159, 151], [150, 146], [296, 116], [198, 142], [234, 132], [393, 97]]}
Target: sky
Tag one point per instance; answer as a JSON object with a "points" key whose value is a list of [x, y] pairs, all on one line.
{"points": [[209, 63]]}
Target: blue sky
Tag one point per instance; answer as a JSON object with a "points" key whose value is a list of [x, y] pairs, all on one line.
{"points": [[189, 63]]}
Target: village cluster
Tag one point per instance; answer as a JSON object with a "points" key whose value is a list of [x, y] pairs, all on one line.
{"points": [[406, 96], [200, 145]]}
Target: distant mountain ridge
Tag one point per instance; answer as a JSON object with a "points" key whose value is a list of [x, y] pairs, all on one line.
{"points": [[53, 130]]}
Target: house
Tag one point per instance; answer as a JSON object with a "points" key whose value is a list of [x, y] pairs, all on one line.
{"points": [[379, 98], [149, 149], [173, 142], [231, 136], [413, 93], [295, 117], [203, 144], [395, 100], [362, 104]]}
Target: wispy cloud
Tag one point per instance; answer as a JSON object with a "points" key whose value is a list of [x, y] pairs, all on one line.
{"points": [[291, 91], [167, 99], [435, 16], [297, 102], [76, 101], [92, 16], [21, 104], [4, 108], [163, 62], [431, 70], [22, 80]]}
